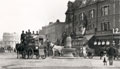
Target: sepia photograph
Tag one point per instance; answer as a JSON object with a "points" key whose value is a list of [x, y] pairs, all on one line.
{"points": [[59, 34]]}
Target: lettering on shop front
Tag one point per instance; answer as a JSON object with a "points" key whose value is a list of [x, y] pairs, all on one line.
{"points": [[116, 31]]}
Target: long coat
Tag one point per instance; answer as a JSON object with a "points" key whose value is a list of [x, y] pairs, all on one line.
{"points": [[111, 51]]}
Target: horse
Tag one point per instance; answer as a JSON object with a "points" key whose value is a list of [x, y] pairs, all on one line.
{"points": [[56, 48], [19, 49]]}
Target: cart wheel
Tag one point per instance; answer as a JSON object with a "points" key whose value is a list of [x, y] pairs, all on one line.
{"points": [[37, 56], [30, 53], [24, 54], [43, 56]]}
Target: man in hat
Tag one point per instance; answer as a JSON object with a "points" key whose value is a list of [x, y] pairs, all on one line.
{"points": [[111, 53], [22, 37]]}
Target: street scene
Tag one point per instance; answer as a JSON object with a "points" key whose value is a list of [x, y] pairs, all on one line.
{"points": [[87, 37]]}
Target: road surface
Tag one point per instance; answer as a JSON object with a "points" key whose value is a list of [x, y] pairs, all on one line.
{"points": [[9, 61]]}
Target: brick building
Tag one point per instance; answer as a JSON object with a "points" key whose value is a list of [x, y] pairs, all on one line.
{"points": [[103, 21], [54, 31]]}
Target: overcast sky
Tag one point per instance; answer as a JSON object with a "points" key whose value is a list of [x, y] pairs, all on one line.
{"points": [[18, 15]]}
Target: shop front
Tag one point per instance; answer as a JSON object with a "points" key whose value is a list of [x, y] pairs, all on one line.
{"points": [[79, 43], [101, 43]]}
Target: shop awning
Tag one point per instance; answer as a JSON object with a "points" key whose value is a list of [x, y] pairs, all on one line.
{"points": [[88, 37]]}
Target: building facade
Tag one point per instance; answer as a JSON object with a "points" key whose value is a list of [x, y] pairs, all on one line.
{"points": [[10, 39], [1, 44], [54, 31], [103, 21]]}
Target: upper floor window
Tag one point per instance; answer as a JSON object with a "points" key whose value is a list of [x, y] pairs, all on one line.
{"points": [[81, 16], [105, 26], [91, 13], [104, 10]]}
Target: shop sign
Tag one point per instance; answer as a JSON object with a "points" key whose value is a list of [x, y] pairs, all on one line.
{"points": [[116, 31]]}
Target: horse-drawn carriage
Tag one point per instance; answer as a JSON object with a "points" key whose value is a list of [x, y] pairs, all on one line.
{"points": [[34, 47]]}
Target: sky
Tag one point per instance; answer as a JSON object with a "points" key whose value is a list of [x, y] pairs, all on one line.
{"points": [[18, 15]]}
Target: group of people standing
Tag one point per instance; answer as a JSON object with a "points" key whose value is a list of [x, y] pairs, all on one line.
{"points": [[26, 37], [108, 55]]}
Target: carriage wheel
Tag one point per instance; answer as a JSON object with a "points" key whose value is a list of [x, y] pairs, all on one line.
{"points": [[24, 54], [30, 53]]}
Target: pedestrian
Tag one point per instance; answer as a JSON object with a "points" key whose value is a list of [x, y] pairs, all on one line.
{"points": [[105, 58], [111, 53], [101, 55], [22, 37]]}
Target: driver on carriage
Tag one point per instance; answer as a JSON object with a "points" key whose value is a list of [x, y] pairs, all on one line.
{"points": [[22, 37]]}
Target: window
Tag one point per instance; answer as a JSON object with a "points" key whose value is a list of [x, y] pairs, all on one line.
{"points": [[81, 16], [91, 13], [104, 10], [105, 26]]}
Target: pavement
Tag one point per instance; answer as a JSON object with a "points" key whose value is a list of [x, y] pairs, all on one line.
{"points": [[9, 61]]}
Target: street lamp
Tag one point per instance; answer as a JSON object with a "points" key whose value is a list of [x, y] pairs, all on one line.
{"points": [[99, 43], [95, 43], [103, 42], [107, 43]]}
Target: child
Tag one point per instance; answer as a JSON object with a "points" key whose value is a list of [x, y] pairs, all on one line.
{"points": [[105, 58]]}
